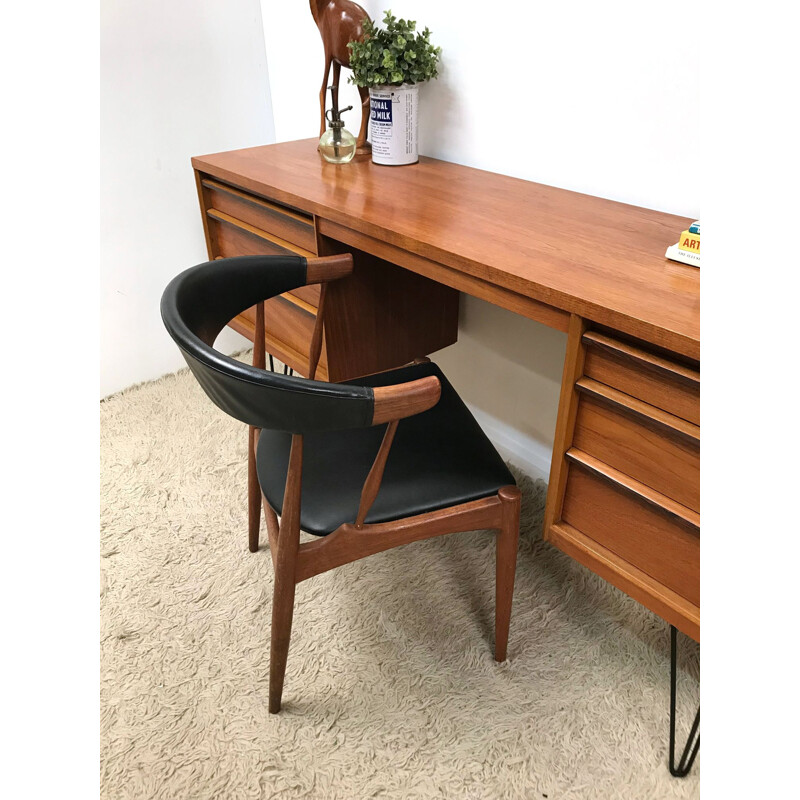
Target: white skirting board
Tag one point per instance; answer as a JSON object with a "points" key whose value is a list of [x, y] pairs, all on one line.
{"points": [[530, 455]]}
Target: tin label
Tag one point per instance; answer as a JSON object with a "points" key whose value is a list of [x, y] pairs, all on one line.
{"points": [[393, 124], [380, 111]]}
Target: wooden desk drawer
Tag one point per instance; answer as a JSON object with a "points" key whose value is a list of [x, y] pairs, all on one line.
{"points": [[655, 448], [287, 223], [308, 294], [624, 491], [656, 380], [643, 529], [288, 328], [378, 318], [234, 238]]}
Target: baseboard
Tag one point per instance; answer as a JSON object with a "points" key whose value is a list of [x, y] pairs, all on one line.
{"points": [[530, 455]]}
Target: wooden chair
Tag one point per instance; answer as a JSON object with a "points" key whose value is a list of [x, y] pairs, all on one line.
{"points": [[365, 465]]}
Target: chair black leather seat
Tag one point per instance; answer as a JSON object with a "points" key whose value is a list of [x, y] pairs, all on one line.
{"points": [[439, 458]]}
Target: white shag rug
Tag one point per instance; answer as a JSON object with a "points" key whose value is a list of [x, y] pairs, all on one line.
{"points": [[391, 689]]}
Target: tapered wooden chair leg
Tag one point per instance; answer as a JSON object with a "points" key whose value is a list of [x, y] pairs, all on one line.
{"points": [[506, 567], [282, 614], [285, 576], [253, 492]]}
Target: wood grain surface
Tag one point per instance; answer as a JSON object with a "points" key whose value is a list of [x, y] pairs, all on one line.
{"points": [[666, 384], [669, 464], [597, 258], [636, 531]]}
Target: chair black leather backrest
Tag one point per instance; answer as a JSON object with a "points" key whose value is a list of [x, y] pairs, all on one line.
{"points": [[196, 306]]}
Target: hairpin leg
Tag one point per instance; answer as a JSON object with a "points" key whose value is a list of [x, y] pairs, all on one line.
{"points": [[271, 363], [693, 742]]}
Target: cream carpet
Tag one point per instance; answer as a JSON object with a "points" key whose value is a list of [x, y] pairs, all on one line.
{"points": [[391, 689]]}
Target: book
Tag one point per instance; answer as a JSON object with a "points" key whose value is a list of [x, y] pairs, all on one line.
{"points": [[687, 249], [674, 253], [689, 242]]}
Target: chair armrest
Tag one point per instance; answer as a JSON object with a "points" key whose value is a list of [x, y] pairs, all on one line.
{"points": [[329, 268], [405, 399], [391, 404]]}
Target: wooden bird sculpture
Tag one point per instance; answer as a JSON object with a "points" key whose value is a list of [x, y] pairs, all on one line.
{"points": [[340, 22]]}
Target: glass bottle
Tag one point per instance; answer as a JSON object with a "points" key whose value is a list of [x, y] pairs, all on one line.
{"points": [[337, 144]]}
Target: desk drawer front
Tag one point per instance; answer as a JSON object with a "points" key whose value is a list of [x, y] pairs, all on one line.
{"points": [[288, 329], [234, 239], [656, 380], [648, 450], [267, 215], [639, 532], [289, 319], [308, 294]]}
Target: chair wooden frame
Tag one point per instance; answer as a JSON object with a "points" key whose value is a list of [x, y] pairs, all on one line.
{"points": [[294, 562]]}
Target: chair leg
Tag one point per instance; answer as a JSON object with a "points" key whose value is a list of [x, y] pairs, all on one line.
{"points": [[506, 567], [253, 492], [282, 614], [285, 576]]}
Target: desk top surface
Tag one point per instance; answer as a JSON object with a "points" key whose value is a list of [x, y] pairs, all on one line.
{"points": [[597, 258]]}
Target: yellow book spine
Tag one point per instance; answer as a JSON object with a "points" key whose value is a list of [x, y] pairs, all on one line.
{"points": [[690, 242]]}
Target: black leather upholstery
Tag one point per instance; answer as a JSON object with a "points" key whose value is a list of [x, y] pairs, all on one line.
{"points": [[197, 305], [439, 458]]}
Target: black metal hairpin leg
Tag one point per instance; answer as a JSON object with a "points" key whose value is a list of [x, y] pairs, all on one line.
{"points": [[287, 370], [692, 744]]}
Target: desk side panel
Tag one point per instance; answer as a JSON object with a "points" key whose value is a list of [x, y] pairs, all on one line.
{"points": [[383, 316]]}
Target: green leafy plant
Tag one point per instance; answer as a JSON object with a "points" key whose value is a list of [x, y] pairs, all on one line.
{"points": [[393, 55]]}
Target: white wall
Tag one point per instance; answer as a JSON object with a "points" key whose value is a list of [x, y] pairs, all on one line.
{"points": [[597, 98], [178, 78], [601, 98]]}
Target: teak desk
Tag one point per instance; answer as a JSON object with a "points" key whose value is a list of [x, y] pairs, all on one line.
{"points": [[623, 497]]}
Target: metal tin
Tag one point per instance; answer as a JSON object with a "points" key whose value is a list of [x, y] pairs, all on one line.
{"points": [[393, 118]]}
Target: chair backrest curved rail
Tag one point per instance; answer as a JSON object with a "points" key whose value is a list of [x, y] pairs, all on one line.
{"points": [[196, 306]]}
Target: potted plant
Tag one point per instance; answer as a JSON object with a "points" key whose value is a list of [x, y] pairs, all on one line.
{"points": [[392, 62]]}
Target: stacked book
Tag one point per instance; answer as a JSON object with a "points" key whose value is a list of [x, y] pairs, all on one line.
{"points": [[687, 249]]}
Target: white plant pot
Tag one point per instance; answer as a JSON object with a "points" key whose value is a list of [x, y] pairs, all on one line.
{"points": [[393, 120]]}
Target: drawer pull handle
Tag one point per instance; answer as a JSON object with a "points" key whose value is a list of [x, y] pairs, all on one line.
{"points": [[644, 412], [663, 366], [660, 502], [257, 232], [259, 201], [299, 303]]}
